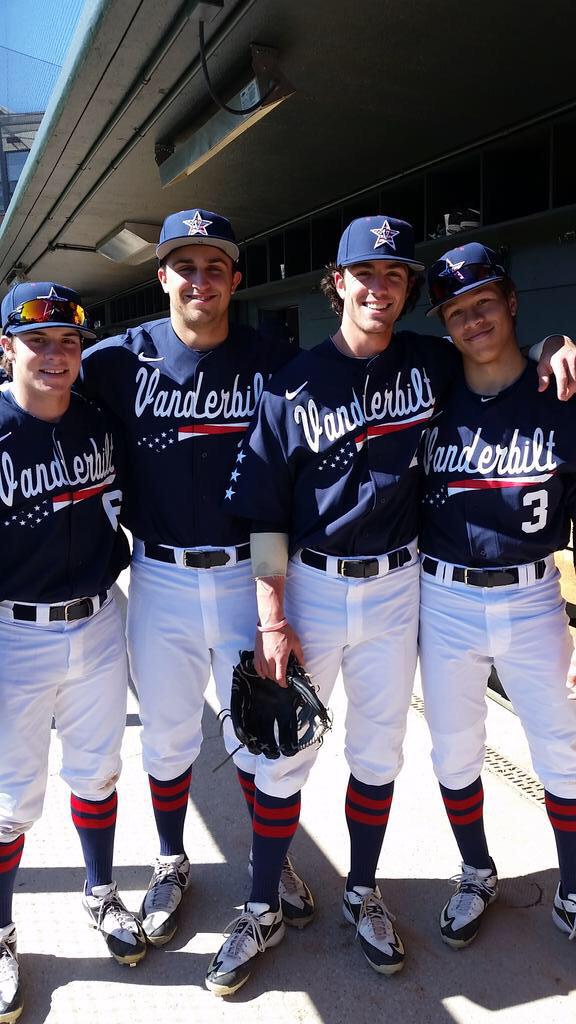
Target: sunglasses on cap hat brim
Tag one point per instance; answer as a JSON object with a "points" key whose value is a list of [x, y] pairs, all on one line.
{"points": [[454, 282], [48, 312]]}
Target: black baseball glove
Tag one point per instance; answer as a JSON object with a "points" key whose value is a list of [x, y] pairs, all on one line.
{"points": [[270, 719]]}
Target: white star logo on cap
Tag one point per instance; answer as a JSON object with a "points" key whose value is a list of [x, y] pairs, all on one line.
{"points": [[52, 294], [385, 235], [197, 226], [453, 268]]}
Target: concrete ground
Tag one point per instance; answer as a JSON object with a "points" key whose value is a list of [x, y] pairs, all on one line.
{"points": [[520, 969]]}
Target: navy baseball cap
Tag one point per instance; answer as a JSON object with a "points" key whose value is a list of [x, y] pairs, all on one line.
{"points": [[197, 227], [34, 305], [461, 270], [377, 238]]}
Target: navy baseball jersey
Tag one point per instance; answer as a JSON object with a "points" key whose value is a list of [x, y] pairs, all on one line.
{"points": [[331, 458], [184, 414], [500, 476], [60, 495]]}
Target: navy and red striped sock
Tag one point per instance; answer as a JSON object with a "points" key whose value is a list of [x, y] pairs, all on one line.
{"points": [[367, 811], [248, 787], [95, 822], [275, 822], [170, 803], [562, 815], [10, 857], [465, 810]]}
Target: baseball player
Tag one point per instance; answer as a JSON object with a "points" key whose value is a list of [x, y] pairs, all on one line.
{"points": [[184, 389], [329, 477], [62, 650], [500, 491]]}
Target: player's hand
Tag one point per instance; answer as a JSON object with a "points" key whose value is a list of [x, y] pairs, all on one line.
{"points": [[558, 360], [571, 678], [272, 650]]}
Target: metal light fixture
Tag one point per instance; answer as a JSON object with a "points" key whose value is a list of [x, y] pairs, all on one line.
{"points": [[130, 243], [264, 89]]}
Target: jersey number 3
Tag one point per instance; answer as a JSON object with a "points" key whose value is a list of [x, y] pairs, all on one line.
{"points": [[537, 501]]}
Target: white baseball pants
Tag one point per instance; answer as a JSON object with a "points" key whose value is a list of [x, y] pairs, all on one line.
{"points": [[368, 629], [76, 672], [522, 629]]}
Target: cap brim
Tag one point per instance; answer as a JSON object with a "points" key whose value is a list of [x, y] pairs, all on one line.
{"points": [[370, 257], [462, 291], [24, 328], [230, 248]]}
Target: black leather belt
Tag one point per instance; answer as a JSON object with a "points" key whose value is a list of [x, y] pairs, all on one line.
{"points": [[82, 608], [483, 577], [357, 568], [196, 559]]}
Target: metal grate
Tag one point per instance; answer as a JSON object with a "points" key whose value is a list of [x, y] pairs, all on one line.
{"points": [[528, 785]]}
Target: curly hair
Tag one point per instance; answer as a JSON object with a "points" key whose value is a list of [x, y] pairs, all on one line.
{"points": [[415, 284]]}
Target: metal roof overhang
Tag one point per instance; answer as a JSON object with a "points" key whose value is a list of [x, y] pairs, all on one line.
{"points": [[380, 86]]}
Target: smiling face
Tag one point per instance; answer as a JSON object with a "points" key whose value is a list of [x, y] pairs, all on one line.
{"points": [[44, 364], [200, 281], [481, 324], [373, 294]]}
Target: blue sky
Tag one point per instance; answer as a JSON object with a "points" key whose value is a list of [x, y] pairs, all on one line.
{"points": [[34, 37]]}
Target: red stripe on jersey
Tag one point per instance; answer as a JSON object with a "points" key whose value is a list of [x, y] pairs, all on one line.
{"points": [[88, 807], [461, 805], [169, 805], [203, 429], [366, 801], [391, 428], [366, 819], [170, 791]]}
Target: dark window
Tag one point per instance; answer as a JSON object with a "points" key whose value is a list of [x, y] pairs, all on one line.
{"points": [[516, 176], [280, 323], [564, 181], [256, 264], [297, 249], [325, 231], [405, 200], [453, 198], [276, 261]]}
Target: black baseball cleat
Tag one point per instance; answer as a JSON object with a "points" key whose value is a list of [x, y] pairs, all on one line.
{"points": [[11, 1001], [251, 934], [296, 900], [461, 917], [161, 905], [380, 942], [122, 930], [564, 913]]}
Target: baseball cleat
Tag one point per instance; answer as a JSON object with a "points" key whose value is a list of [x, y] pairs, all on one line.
{"points": [[122, 930], [381, 945], [250, 934], [11, 1001], [296, 900], [564, 913], [161, 905], [476, 889]]}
